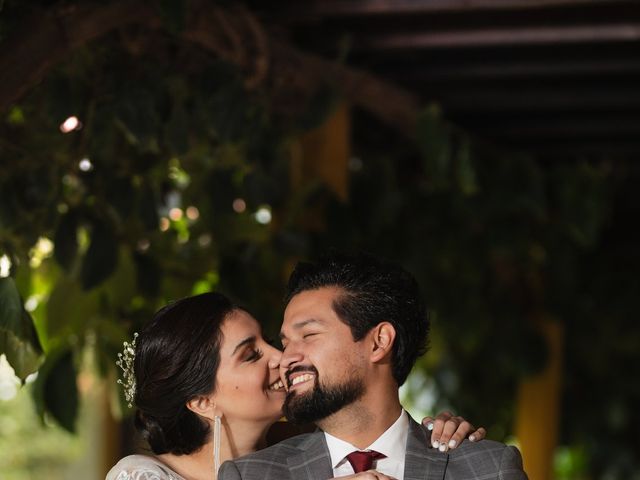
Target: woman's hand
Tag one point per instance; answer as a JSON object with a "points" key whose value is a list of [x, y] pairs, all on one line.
{"points": [[368, 475], [448, 431]]}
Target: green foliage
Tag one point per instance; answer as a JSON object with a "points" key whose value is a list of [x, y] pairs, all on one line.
{"points": [[55, 391], [180, 157], [18, 338]]}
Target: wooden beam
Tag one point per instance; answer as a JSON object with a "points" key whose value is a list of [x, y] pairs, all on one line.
{"points": [[522, 69], [490, 37], [585, 127], [571, 149], [459, 102], [326, 8]]}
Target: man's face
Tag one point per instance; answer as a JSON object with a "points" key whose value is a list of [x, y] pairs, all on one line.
{"points": [[321, 364]]}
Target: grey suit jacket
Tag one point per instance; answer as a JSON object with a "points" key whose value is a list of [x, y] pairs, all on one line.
{"points": [[307, 457]]}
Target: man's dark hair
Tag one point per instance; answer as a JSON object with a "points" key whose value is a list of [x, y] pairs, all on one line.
{"points": [[373, 291]]}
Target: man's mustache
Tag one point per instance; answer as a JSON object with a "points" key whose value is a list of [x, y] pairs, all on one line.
{"points": [[300, 368]]}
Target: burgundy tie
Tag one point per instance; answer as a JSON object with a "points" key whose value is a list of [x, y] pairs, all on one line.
{"points": [[363, 461]]}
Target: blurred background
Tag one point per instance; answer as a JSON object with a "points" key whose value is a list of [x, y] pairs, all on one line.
{"points": [[155, 149]]}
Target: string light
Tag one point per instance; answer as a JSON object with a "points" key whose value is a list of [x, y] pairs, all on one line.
{"points": [[175, 214], [239, 205], [263, 215], [193, 213], [70, 124], [5, 266], [85, 165]]}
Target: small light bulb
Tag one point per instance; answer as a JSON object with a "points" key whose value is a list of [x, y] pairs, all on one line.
{"points": [[175, 214], [70, 124], [263, 215], [239, 205], [85, 165]]}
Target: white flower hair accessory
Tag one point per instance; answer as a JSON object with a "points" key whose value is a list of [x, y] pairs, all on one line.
{"points": [[125, 362]]}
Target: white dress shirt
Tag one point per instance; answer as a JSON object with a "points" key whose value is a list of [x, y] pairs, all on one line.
{"points": [[392, 443]]}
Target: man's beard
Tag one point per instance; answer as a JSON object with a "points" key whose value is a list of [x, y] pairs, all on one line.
{"points": [[321, 401]]}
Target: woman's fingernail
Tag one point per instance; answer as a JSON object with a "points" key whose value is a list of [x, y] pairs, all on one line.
{"points": [[452, 443], [443, 448], [430, 426], [472, 438], [436, 444]]}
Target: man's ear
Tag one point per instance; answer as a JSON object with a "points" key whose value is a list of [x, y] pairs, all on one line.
{"points": [[383, 336], [204, 406]]}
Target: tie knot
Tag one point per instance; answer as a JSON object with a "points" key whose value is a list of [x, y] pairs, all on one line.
{"points": [[363, 461]]}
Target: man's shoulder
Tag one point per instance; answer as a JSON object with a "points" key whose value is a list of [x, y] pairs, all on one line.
{"points": [[269, 463], [484, 447], [278, 452], [487, 457]]}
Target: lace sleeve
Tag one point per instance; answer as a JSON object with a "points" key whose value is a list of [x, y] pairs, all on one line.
{"points": [[138, 474], [141, 467]]}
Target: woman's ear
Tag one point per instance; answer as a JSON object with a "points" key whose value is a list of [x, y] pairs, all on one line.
{"points": [[203, 406], [383, 335]]}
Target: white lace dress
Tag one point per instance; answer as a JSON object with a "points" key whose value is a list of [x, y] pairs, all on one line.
{"points": [[141, 467]]}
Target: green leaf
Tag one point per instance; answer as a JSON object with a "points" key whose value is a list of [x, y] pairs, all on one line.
{"points": [[121, 286], [18, 338], [120, 194], [434, 141], [148, 274], [66, 240], [147, 207], [55, 390], [69, 309], [137, 116], [101, 258]]}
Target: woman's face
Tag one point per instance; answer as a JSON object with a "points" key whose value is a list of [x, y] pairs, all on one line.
{"points": [[248, 382]]}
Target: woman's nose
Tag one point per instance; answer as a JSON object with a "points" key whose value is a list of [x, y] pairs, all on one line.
{"points": [[275, 357]]}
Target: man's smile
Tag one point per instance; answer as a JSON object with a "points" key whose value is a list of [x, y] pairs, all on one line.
{"points": [[300, 375]]}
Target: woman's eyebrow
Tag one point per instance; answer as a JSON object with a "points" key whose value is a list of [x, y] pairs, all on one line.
{"points": [[244, 342]]}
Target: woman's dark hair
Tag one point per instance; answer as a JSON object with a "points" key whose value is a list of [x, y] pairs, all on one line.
{"points": [[177, 358], [373, 291]]}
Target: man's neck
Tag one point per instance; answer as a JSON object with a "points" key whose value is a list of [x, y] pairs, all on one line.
{"points": [[362, 422]]}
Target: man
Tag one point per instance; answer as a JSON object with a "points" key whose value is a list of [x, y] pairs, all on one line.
{"points": [[353, 328]]}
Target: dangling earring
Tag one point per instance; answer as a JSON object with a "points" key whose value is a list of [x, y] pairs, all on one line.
{"points": [[217, 430]]}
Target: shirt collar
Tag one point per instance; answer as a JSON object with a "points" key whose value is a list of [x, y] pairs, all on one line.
{"points": [[392, 443]]}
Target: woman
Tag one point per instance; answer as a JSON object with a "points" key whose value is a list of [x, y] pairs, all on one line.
{"points": [[202, 361]]}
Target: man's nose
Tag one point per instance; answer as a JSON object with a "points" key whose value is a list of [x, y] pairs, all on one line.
{"points": [[290, 356]]}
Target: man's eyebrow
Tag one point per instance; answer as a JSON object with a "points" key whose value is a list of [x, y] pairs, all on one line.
{"points": [[302, 324], [244, 342]]}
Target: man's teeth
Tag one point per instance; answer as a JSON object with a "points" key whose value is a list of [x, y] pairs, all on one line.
{"points": [[276, 385], [301, 378]]}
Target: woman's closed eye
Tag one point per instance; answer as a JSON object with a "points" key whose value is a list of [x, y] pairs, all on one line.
{"points": [[253, 355]]}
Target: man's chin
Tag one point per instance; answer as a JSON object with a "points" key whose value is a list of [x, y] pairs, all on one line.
{"points": [[315, 404]]}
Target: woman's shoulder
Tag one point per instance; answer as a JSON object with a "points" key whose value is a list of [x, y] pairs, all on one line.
{"points": [[141, 467]]}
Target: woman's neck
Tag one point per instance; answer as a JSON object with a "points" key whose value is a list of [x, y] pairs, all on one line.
{"points": [[199, 465]]}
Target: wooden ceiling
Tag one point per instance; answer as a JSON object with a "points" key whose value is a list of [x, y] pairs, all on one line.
{"points": [[560, 78]]}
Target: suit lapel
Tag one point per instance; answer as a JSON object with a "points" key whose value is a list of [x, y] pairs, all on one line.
{"points": [[421, 462], [314, 460]]}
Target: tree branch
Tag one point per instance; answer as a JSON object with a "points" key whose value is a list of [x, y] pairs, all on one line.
{"points": [[47, 38]]}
